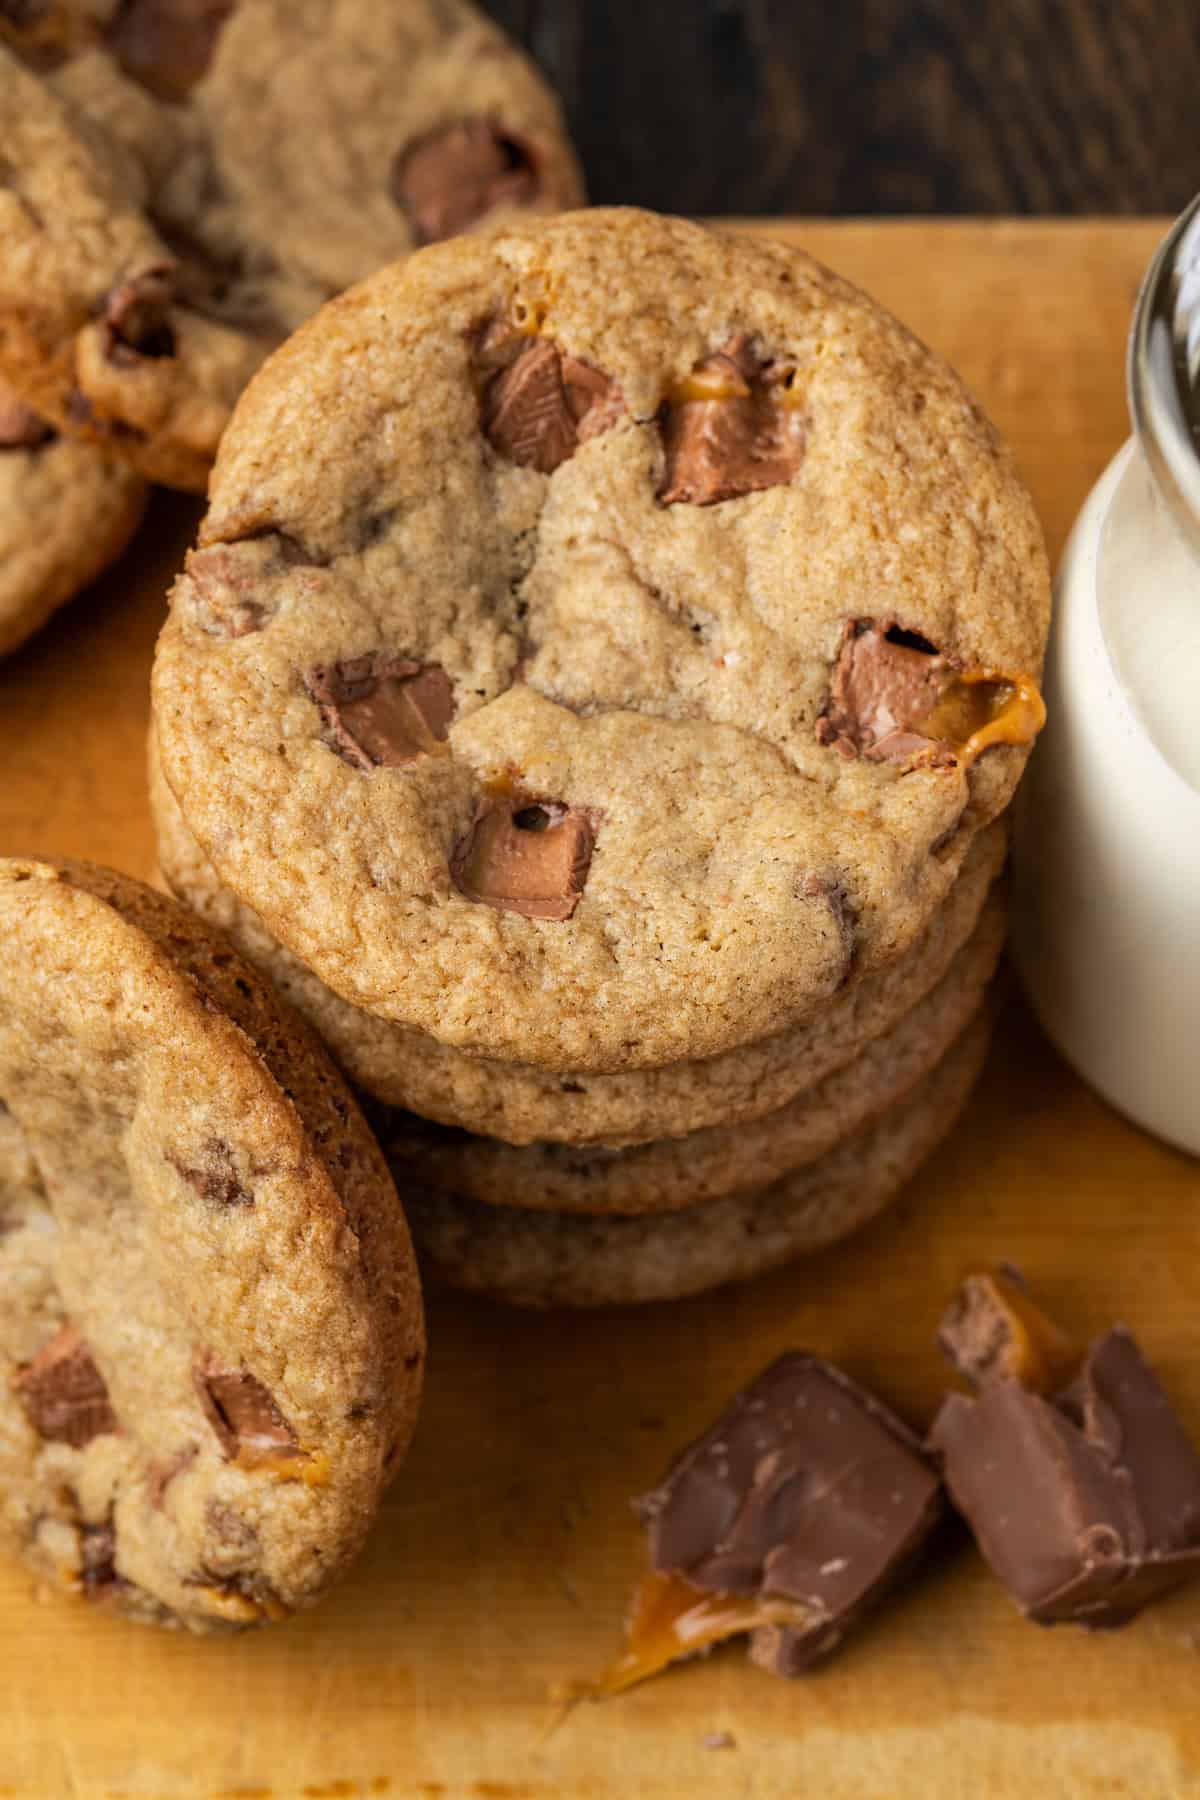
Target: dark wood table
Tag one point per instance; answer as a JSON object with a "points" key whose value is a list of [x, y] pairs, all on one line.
{"points": [[869, 106]]}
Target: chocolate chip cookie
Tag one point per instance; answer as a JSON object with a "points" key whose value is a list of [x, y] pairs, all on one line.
{"points": [[211, 1337], [523, 1105], [184, 184], [680, 1172], [623, 655], [66, 513], [565, 1259]]}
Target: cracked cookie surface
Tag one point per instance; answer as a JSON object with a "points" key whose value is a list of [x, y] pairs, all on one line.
{"points": [[211, 1337], [66, 512], [183, 185], [630, 644]]}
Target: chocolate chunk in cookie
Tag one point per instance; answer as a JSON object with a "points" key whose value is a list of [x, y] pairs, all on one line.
{"points": [[63, 1392], [243, 1413], [539, 409], [894, 698], [214, 1176], [731, 427], [98, 1561], [451, 177], [383, 711], [167, 45], [137, 316], [20, 427], [526, 856]]}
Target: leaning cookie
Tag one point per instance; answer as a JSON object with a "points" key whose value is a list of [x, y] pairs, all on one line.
{"points": [[597, 673], [522, 1105], [184, 185], [545, 1259], [211, 1336], [66, 512]]}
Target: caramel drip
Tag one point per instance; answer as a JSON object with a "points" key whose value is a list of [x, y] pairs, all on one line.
{"points": [[1039, 1355], [980, 708], [672, 1619]]}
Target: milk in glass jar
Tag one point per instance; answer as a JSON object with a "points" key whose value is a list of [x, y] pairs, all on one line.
{"points": [[1107, 913]]}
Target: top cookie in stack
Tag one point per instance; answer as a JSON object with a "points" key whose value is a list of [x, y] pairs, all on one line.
{"points": [[607, 647], [186, 183]]}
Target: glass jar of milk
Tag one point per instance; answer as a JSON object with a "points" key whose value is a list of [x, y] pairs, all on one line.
{"points": [[1106, 922]]}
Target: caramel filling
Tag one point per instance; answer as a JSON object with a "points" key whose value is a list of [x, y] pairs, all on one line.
{"points": [[231, 1604], [1037, 1353], [717, 378], [671, 1619], [309, 1466], [978, 709]]}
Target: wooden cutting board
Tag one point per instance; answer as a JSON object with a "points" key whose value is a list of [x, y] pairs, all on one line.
{"points": [[501, 1566]]}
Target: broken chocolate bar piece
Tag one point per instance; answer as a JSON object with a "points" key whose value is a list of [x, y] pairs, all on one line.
{"points": [[525, 856], [992, 1331], [731, 427], [894, 698], [1087, 1508], [383, 711], [789, 1519]]}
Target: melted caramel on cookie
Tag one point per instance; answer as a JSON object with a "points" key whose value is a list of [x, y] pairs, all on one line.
{"points": [[979, 708]]}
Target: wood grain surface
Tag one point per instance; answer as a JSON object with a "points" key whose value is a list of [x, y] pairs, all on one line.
{"points": [[876, 106], [501, 1567]]}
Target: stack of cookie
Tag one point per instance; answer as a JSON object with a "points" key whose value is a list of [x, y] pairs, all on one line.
{"points": [[608, 656], [182, 186]]}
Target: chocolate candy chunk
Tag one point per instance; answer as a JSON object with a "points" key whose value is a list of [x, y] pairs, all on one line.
{"points": [[733, 426], [525, 856], [992, 1331], [1087, 1509], [214, 1178], [894, 698], [244, 1415], [20, 427], [539, 409], [885, 681], [448, 179], [383, 710], [97, 1560], [63, 1392], [137, 316], [167, 45], [808, 1498]]}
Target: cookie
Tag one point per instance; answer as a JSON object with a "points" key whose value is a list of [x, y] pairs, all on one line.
{"points": [[211, 1338], [521, 1105], [565, 1259], [610, 668], [187, 183], [66, 513], [711, 1164]]}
